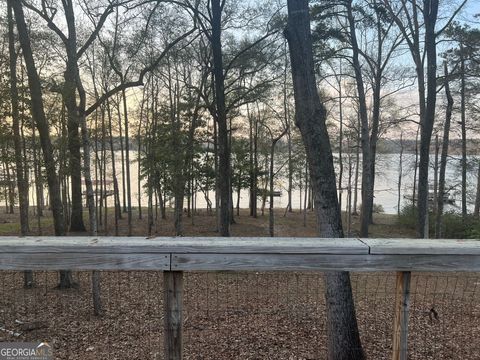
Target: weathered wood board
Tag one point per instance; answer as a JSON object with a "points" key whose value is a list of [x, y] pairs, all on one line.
{"points": [[182, 245], [84, 261], [315, 262], [241, 254], [423, 246]]}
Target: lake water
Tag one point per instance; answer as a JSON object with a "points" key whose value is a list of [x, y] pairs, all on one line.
{"points": [[386, 184]]}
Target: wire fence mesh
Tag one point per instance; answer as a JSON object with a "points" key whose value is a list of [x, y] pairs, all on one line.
{"points": [[233, 315]]}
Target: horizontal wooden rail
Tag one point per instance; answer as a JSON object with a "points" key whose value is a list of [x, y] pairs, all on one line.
{"points": [[256, 254], [173, 256]]}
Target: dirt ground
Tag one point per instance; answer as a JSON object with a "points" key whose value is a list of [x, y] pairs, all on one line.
{"points": [[230, 315], [203, 224]]}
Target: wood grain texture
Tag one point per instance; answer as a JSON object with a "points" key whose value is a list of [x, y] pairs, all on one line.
{"points": [[314, 262], [402, 308], [183, 245], [82, 261], [173, 315], [191, 254], [423, 246]]}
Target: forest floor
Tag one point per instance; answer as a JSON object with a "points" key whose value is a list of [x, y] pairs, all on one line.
{"points": [[241, 315], [203, 224]]}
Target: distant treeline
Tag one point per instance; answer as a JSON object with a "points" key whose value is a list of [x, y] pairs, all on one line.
{"points": [[385, 146], [389, 146]]}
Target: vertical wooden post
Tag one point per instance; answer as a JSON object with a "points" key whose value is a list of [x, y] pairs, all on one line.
{"points": [[400, 325], [173, 314]]}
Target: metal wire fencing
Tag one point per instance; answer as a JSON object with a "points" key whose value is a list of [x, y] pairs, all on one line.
{"points": [[238, 315]]}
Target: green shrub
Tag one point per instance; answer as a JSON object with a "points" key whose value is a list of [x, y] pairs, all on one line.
{"points": [[378, 209], [454, 226], [408, 217], [474, 233]]}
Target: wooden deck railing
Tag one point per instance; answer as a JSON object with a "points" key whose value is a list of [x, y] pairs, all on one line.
{"points": [[173, 256]]}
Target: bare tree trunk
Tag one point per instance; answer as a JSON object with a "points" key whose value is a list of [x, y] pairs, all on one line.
{"points": [[150, 208], [10, 187], [289, 132], [464, 133], [271, 221], [116, 192], [40, 119], [300, 189], [415, 171], [161, 199], [103, 170], [179, 169], [307, 182], [92, 209], [127, 160], [367, 194], [340, 140], [400, 175], [26, 169], [230, 177], [443, 156], [63, 172], [239, 189], [38, 115], [223, 148], [38, 178], [156, 207], [271, 216], [310, 196], [265, 185], [430, 18], [69, 89], [255, 167], [422, 21], [22, 182], [98, 173], [343, 336], [122, 153], [290, 170], [150, 175], [476, 211], [252, 179], [6, 186], [349, 190], [139, 157], [217, 176], [148, 126], [76, 219], [193, 192], [378, 78], [357, 167], [435, 175]]}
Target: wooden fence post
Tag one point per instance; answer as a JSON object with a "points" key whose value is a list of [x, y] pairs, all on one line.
{"points": [[173, 314], [400, 325]]}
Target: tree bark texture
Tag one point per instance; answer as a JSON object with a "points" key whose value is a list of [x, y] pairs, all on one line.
{"points": [[443, 156], [343, 336], [40, 119], [221, 118], [366, 191], [426, 121]]}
